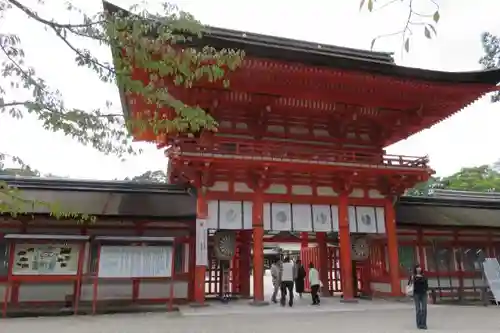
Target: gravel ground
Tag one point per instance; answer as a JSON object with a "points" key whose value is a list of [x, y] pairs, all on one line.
{"points": [[365, 317]]}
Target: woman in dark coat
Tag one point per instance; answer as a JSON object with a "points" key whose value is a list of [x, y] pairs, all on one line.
{"points": [[420, 288], [300, 277]]}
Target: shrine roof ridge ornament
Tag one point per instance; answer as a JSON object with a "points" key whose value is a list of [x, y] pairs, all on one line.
{"points": [[315, 54]]}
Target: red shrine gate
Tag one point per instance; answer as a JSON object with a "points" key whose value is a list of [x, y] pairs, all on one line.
{"points": [[300, 147]]}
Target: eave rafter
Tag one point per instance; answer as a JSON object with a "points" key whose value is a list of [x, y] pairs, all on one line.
{"points": [[198, 174], [261, 107]]}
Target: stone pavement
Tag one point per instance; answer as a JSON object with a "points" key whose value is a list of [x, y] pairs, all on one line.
{"points": [[239, 317]]}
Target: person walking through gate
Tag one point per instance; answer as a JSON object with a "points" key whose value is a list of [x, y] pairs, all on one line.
{"points": [[276, 276], [420, 289], [288, 275], [315, 284], [299, 279]]}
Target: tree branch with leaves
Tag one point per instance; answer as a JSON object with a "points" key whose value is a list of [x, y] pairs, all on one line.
{"points": [[149, 42], [491, 57], [425, 21]]}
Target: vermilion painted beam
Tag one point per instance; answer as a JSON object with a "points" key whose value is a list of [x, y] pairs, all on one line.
{"points": [[321, 168]]}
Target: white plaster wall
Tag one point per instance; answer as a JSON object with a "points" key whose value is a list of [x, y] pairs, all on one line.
{"points": [[326, 191], [3, 290], [478, 282], [375, 194], [152, 290], [380, 287], [302, 190], [404, 283], [242, 187], [45, 292], [443, 282], [220, 186], [447, 282], [107, 290]]}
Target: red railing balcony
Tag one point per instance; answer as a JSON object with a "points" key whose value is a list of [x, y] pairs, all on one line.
{"points": [[287, 152]]}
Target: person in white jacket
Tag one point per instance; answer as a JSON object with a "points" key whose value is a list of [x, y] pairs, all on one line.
{"points": [[288, 275], [315, 284], [276, 276]]}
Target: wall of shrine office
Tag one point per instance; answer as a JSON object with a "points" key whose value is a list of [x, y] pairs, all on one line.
{"points": [[300, 190], [278, 216]]}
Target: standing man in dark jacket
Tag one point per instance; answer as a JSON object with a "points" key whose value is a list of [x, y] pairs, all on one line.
{"points": [[300, 277], [420, 289]]}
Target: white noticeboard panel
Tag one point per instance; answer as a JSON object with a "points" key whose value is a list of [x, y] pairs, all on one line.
{"points": [[46, 259], [135, 261]]}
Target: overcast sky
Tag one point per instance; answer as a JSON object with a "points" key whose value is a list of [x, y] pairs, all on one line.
{"points": [[466, 139]]}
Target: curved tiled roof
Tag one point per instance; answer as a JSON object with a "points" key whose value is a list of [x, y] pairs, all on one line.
{"points": [[450, 209], [125, 199], [315, 54]]}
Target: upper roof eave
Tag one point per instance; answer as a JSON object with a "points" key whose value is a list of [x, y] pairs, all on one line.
{"points": [[35, 183], [449, 202], [315, 54]]}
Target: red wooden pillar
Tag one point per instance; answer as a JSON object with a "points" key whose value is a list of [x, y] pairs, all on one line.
{"points": [[421, 249], [304, 241], [235, 271], [392, 248], [244, 265], [200, 268], [345, 249], [456, 246], [366, 277], [489, 248], [323, 262], [258, 247], [192, 264]]}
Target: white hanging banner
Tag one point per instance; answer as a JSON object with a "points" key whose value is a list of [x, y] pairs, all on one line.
{"points": [[366, 220], [335, 217], [322, 218], [212, 222], [380, 216], [230, 215], [302, 217], [281, 217], [201, 242]]}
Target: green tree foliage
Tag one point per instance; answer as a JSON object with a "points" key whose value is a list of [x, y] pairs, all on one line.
{"points": [[157, 176], [422, 189], [421, 15], [18, 172], [484, 178], [491, 57], [149, 40]]}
